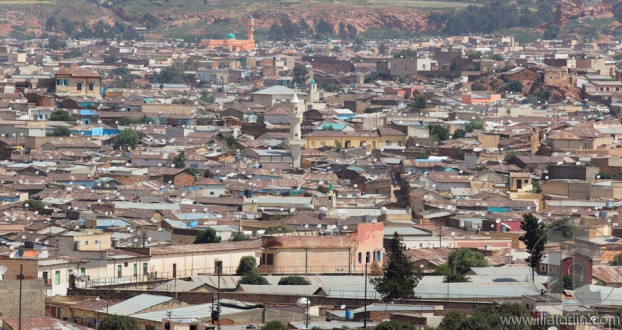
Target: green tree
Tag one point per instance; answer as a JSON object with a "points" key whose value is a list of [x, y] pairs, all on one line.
{"points": [[230, 141], [59, 131], [277, 229], [567, 282], [172, 74], [179, 161], [207, 97], [535, 238], [565, 227], [207, 235], [617, 260], [73, 53], [55, 43], [474, 55], [254, 278], [300, 75], [453, 321], [462, 260], [425, 154], [438, 132], [238, 238], [382, 48], [400, 276], [473, 125], [293, 280], [421, 101], [486, 317], [126, 121], [617, 10], [119, 322], [614, 110], [246, 265], [551, 31], [394, 325], [274, 325], [405, 53], [371, 77], [514, 86], [456, 278], [459, 133], [127, 139], [34, 204], [496, 57], [61, 115]]}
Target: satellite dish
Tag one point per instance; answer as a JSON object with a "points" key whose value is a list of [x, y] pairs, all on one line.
{"points": [[306, 226], [3, 270], [44, 254], [345, 227], [319, 226], [343, 306]]}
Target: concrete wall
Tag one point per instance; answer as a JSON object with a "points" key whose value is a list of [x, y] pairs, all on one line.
{"points": [[189, 264], [33, 298]]}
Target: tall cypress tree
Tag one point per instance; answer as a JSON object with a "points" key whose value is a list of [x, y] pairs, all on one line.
{"points": [[535, 239], [400, 274]]}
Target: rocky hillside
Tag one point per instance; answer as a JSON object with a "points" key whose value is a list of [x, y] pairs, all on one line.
{"points": [[569, 9]]}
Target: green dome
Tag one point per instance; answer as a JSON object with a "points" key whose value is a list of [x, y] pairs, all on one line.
{"points": [[328, 40], [230, 36]]}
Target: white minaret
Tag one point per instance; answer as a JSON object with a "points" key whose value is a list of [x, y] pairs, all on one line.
{"points": [[314, 95], [295, 136]]}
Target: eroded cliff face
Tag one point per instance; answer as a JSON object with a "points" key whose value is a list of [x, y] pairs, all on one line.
{"points": [[569, 9]]}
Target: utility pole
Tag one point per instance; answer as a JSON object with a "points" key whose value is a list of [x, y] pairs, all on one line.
{"points": [[365, 299], [21, 276]]}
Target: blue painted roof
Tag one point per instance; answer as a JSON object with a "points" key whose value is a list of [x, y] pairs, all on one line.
{"points": [[87, 112], [111, 223]]}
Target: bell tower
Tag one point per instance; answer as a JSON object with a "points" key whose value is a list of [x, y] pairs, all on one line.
{"points": [[295, 136]]}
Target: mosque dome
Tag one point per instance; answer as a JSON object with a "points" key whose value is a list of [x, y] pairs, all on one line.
{"points": [[328, 40], [230, 36]]}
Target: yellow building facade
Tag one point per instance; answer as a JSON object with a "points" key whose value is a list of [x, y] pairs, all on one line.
{"points": [[78, 81]]}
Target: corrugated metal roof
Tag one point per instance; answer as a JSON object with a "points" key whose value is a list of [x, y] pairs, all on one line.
{"points": [[137, 304], [201, 311]]}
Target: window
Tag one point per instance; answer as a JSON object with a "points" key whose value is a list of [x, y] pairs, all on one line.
{"points": [[66, 82], [79, 86], [135, 269], [367, 257], [82, 271], [70, 271], [269, 259], [125, 264], [57, 277], [360, 257], [86, 242], [96, 242], [211, 193], [344, 195], [526, 181], [378, 255], [145, 268], [59, 82], [90, 86], [119, 271]]}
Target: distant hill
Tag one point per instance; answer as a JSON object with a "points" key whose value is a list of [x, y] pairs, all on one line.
{"points": [[275, 19]]}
